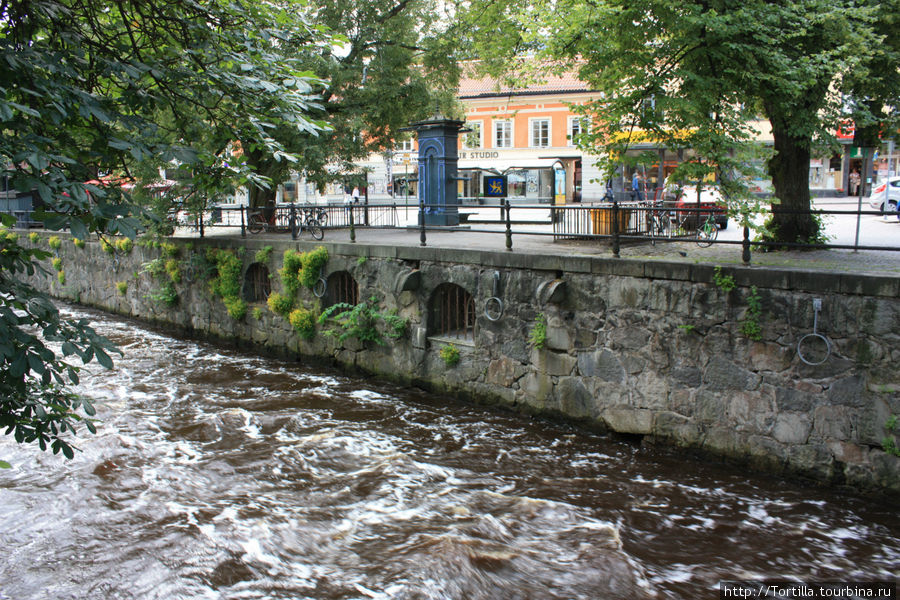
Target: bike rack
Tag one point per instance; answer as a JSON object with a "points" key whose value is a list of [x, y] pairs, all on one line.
{"points": [[493, 307], [817, 306]]}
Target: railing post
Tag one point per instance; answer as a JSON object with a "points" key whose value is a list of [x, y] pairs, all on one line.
{"points": [[352, 226], [200, 226], [243, 226], [615, 228], [508, 227], [745, 253], [422, 221], [293, 222]]}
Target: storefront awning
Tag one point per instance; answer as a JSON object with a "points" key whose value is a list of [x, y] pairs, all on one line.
{"points": [[501, 165]]}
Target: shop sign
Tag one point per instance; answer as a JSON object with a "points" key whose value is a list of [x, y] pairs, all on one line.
{"points": [[474, 155], [494, 186]]}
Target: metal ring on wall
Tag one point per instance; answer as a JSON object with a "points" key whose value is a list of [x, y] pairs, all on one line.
{"points": [[827, 348], [493, 308], [320, 287]]}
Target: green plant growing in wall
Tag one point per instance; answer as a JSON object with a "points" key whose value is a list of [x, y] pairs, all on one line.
{"points": [[169, 249], [751, 327], [303, 321], [124, 245], [227, 281], [165, 294], [450, 355], [78, 243], [57, 264], [537, 338], [9, 236], [280, 304], [34, 237], [361, 261], [257, 313], [107, 246], [154, 268], [688, 328], [888, 443], [362, 322], [54, 242], [723, 282], [263, 254], [61, 277], [122, 287], [173, 270]]}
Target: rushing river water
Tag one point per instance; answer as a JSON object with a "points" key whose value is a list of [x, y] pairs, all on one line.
{"points": [[222, 475]]}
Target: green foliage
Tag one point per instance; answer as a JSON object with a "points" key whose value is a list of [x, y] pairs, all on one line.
{"points": [[122, 287], [363, 322], [54, 242], [169, 250], [80, 244], [688, 328], [361, 261], [889, 443], [537, 338], [124, 245], [227, 281], [450, 355], [154, 268], [173, 269], [263, 254], [165, 294], [61, 277], [236, 307], [751, 327], [57, 264], [107, 246], [280, 304], [723, 282], [34, 237], [303, 321], [257, 313], [301, 269]]}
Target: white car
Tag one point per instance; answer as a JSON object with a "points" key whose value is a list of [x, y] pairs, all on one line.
{"points": [[877, 197]]}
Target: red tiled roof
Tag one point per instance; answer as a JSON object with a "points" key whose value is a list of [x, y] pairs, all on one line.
{"points": [[473, 86]]}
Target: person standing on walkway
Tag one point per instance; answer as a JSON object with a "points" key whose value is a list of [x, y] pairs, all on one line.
{"points": [[854, 183], [636, 193]]}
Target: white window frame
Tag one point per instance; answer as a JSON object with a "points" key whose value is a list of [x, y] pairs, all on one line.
{"points": [[404, 145], [508, 141], [533, 134], [480, 126], [576, 122]]}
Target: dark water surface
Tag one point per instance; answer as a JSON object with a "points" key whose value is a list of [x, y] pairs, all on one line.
{"points": [[221, 475]]}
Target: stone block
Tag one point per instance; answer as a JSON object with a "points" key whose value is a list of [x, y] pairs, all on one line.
{"points": [[722, 374], [770, 357], [574, 398], [850, 391], [628, 420], [791, 428], [504, 372], [834, 422], [751, 412], [679, 428], [553, 363], [558, 338], [812, 460], [847, 452], [603, 364], [419, 337]]}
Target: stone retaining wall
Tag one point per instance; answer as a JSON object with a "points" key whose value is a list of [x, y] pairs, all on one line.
{"points": [[648, 348]]}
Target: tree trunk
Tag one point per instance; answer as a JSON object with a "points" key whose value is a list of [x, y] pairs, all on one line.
{"points": [[789, 169]]}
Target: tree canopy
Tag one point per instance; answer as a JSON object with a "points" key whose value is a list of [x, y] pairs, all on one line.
{"points": [[88, 88], [695, 74]]}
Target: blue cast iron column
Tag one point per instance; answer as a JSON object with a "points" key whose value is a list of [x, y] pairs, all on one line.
{"points": [[438, 160]]}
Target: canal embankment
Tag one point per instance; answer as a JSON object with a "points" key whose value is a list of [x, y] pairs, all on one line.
{"points": [[788, 370]]}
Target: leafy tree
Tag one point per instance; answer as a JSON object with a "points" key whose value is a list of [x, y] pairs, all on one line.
{"points": [[122, 87], [389, 67], [694, 74]]}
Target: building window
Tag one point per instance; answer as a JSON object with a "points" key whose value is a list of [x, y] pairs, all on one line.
{"points": [[289, 192], [472, 139], [576, 128], [404, 146], [540, 133], [256, 283], [503, 134], [342, 289], [453, 312]]}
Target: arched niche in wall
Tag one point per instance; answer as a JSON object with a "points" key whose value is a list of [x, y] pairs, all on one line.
{"points": [[257, 285], [341, 288], [451, 312]]}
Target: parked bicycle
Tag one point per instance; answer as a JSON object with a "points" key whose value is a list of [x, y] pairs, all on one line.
{"points": [[663, 222], [257, 222]]}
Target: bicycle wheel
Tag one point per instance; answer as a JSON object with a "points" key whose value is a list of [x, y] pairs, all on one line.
{"points": [[707, 233], [256, 224], [315, 229]]}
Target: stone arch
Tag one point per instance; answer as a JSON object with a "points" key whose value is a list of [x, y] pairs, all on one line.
{"points": [[257, 285], [451, 311], [341, 288]]}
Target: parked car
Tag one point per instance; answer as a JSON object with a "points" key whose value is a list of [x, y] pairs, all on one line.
{"points": [[710, 200], [877, 196]]}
